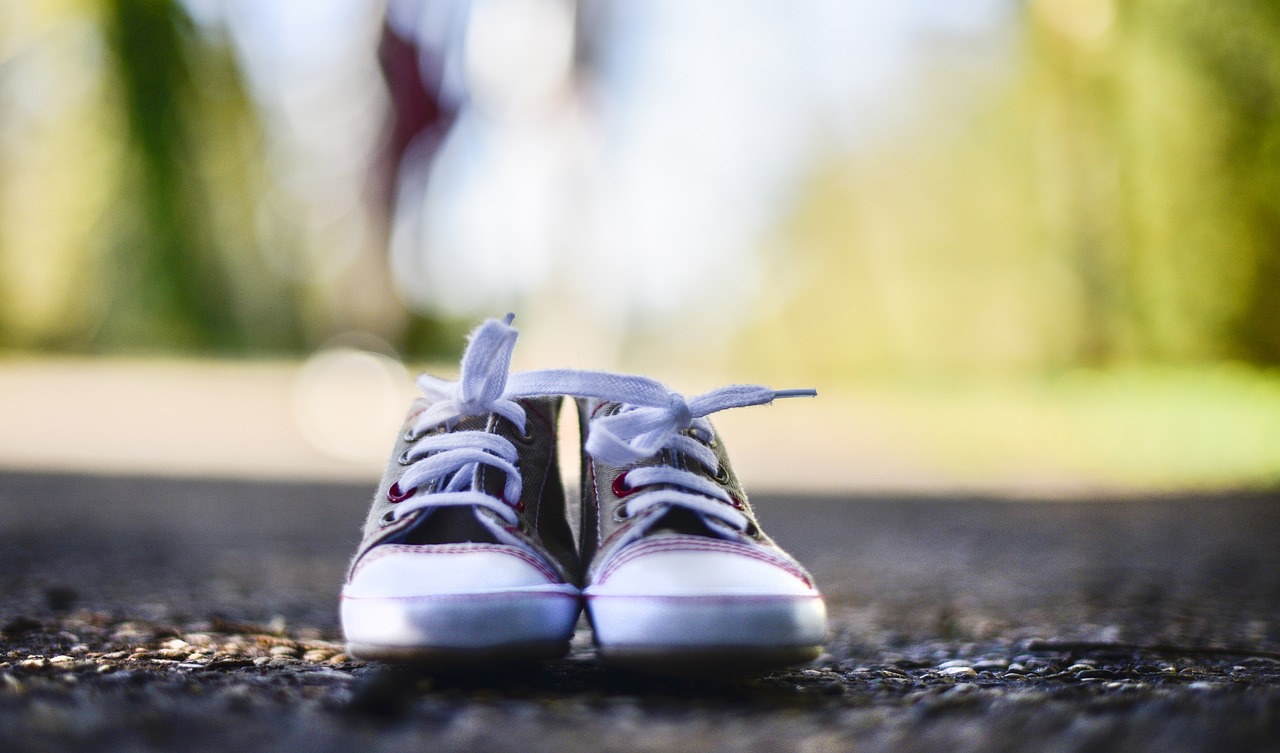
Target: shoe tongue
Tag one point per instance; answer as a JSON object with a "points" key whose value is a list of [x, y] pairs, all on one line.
{"points": [[681, 521], [449, 525], [471, 423]]}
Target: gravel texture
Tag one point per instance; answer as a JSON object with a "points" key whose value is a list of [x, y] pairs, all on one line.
{"points": [[150, 614]]}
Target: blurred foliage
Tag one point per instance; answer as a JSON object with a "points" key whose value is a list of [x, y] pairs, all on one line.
{"points": [[183, 102], [162, 145], [1116, 199], [138, 210], [1111, 197], [1141, 427]]}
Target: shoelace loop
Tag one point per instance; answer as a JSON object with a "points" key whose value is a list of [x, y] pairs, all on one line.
{"points": [[452, 459], [481, 386], [642, 428], [652, 418]]}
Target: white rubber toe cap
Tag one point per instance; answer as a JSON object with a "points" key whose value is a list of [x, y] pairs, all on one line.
{"points": [[689, 566], [450, 603], [395, 571], [681, 594]]}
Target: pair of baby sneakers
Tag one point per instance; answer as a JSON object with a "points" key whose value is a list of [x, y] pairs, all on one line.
{"points": [[468, 558]]}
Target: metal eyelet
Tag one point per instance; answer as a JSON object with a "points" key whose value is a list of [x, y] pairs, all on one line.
{"points": [[388, 518], [721, 476], [404, 458], [621, 488], [395, 494], [620, 514]]}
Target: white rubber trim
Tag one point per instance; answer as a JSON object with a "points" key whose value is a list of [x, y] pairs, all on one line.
{"points": [[477, 620], [671, 567], [708, 621]]}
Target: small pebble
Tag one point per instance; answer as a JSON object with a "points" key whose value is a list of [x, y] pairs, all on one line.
{"points": [[959, 672], [954, 663]]}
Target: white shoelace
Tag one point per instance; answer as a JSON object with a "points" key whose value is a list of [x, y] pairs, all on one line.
{"points": [[453, 458], [652, 419]]}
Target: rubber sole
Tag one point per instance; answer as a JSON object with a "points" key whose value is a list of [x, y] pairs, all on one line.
{"points": [[707, 635], [453, 657], [461, 629]]}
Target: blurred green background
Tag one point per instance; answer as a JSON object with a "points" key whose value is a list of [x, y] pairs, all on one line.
{"points": [[1063, 258]]}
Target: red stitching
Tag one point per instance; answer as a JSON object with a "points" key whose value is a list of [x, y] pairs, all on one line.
{"points": [[688, 544]]}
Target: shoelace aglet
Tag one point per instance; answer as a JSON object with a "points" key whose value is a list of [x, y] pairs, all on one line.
{"points": [[509, 318], [806, 392]]}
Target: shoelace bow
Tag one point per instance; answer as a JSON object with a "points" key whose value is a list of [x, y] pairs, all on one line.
{"points": [[455, 457], [652, 419]]}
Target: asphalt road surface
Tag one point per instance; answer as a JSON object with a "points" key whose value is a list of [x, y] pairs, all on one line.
{"points": [[171, 614]]}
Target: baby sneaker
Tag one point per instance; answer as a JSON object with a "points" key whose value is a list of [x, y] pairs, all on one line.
{"points": [[681, 579], [467, 557]]}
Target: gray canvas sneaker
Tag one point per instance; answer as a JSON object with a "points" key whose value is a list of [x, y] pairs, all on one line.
{"points": [[680, 577], [467, 557]]}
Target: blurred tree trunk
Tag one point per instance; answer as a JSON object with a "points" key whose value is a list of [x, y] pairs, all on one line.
{"points": [[1237, 45], [172, 288], [186, 271]]}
